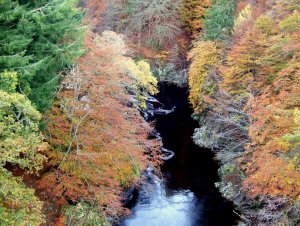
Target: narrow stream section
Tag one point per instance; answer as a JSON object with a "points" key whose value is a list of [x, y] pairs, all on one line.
{"points": [[186, 195]]}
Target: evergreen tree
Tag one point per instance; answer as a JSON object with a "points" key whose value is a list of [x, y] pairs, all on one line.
{"points": [[15, 37], [219, 19], [38, 39]]}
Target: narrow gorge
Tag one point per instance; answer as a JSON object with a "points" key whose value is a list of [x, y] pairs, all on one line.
{"points": [[149, 112], [184, 193]]}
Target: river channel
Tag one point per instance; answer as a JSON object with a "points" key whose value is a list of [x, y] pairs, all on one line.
{"points": [[185, 194]]}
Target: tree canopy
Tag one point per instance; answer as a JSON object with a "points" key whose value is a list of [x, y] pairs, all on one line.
{"points": [[38, 39]]}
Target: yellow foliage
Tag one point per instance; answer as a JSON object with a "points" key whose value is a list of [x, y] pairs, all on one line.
{"points": [[20, 139], [291, 23], [284, 5], [297, 116], [264, 23], [260, 66], [205, 56], [283, 145], [145, 81], [244, 15], [18, 203], [241, 65], [192, 13], [162, 56], [8, 81], [293, 138]]}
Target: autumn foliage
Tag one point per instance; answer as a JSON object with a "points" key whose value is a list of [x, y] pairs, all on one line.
{"points": [[99, 145], [255, 96], [205, 56], [192, 13]]}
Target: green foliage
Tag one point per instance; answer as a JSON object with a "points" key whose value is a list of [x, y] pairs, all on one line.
{"points": [[38, 39], [8, 81], [84, 215], [291, 23], [15, 37], [20, 139], [18, 204], [219, 19]]}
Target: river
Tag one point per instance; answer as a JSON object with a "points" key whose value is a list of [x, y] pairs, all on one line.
{"points": [[185, 194]]}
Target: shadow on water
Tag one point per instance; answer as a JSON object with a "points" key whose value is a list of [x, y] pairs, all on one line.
{"points": [[186, 196]]}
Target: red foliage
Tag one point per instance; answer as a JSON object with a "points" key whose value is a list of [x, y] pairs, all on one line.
{"points": [[99, 144], [264, 67], [271, 171]]}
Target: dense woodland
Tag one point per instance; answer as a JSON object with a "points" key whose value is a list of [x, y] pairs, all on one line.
{"points": [[74, 77]]}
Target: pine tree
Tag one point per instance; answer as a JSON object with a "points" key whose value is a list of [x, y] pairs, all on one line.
{"points": [[38, 39], [219, 19], [15, 37]]}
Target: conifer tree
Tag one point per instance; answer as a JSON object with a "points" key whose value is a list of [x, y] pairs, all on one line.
{"points": [[38, 39], [219, 19]]}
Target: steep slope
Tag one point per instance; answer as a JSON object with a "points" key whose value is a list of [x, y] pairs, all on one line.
{"points": [[245, 91], [99, 143]]}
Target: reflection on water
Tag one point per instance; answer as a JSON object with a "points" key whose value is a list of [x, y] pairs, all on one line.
{"points": [[159, 206], [186, 196]]}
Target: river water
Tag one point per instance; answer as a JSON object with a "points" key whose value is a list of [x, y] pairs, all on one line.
{"points": [[185, 195]]}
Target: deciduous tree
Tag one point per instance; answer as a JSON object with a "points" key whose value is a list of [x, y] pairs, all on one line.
{"points": [[154, 22]]}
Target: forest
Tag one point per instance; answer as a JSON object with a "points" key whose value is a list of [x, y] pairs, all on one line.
{"points": [[76, 75]]}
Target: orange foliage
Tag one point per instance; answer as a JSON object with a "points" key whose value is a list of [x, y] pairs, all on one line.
{"points": [[272, 119], [274, 177], [99, 144], [259, 77], [96, 9], [242, 65], [271, 115], [192, 13], [262, 67]]}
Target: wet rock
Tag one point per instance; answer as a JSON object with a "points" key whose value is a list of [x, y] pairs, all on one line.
{"points": [[132, 102], [168, 154], [154, 135], [129, 197], [154, 108], [161, 111]]}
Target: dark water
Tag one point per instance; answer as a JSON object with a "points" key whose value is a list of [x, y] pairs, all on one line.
{"points": [[186, 196]]}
